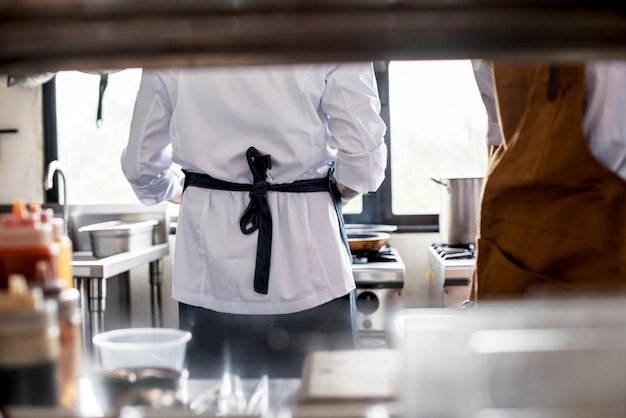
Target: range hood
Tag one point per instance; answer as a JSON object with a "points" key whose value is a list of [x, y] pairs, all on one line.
{"points": [[48, 36]]}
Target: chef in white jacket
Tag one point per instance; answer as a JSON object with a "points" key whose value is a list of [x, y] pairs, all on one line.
{"points": [[261, 272]]}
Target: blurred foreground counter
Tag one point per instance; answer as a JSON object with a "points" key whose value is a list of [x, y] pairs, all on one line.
{"points": [[342, 384], [282, 397]]}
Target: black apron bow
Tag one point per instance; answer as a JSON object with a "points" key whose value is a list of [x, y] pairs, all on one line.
{"points": [[257, 215]]}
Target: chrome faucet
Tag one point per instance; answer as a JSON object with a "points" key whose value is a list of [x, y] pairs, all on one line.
{"points": [[53, 167]]}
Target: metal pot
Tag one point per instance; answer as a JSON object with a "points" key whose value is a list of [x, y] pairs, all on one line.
{"points": [[367, 241], [460, 209]]}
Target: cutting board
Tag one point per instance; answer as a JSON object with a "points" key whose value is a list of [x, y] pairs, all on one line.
{"points": [[350, 376]]}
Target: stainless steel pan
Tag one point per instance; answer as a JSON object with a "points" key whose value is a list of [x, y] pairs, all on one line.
{"points": [[367, 228]]}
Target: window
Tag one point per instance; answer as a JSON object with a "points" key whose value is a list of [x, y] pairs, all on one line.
{"points": [[90, 153], [436, 129]]}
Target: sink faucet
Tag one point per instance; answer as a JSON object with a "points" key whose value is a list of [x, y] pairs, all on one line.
{"points": [[54, 167]]}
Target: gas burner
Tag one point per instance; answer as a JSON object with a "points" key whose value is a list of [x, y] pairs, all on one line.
{"points": [[450, 273], [455, 251], [384, 255]]}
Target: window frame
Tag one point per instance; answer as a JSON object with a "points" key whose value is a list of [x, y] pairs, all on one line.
{"points": [[50, 144]]}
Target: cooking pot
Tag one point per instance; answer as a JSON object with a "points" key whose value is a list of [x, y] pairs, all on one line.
{"points": [[460, 209], [367, 241]]}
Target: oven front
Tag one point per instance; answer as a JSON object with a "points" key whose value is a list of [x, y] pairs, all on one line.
{"points": [[376, 306], [379, 283]]}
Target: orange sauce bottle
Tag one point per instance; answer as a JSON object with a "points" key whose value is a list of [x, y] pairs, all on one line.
{"points": [[24, 240]]}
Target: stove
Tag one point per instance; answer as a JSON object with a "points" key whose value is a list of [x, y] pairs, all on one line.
{"points": [[379, 278], [451, 268]]}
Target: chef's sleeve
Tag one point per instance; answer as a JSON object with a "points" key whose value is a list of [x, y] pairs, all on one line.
{"points": [[352, 105], [147, 159], [484, 81]]}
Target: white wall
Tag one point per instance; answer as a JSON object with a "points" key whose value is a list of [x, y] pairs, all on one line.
{"points": [[21, 154]]}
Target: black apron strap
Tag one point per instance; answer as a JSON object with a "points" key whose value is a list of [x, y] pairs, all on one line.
{"points": [[257, 215]]}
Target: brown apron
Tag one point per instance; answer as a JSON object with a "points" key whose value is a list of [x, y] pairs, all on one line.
{"points": [[553, 219]]}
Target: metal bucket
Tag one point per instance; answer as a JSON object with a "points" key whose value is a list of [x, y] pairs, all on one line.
{"points": [[460, 209]]}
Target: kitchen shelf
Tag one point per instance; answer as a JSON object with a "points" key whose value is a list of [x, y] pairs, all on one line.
{"points": [[86, 265], [45, 36]]}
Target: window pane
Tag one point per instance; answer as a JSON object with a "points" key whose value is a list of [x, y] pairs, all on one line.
{"points": [[438, 127], [91, 154]]}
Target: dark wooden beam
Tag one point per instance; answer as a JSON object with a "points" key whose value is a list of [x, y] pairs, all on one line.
{"points": [[47, 36]]}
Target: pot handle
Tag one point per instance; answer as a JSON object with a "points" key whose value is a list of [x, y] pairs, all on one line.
{"points": [[441, 183]]}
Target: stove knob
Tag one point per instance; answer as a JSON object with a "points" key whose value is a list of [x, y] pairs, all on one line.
{"points": [[367, 302]]}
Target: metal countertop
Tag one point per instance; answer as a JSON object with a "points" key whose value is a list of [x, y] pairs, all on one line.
{"points": [[85, 265]]}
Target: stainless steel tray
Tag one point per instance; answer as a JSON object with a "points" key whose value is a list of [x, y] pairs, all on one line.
{"points": [[114, 237]]}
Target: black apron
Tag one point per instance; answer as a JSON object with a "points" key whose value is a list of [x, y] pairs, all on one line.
{"points": [[257, 215]]}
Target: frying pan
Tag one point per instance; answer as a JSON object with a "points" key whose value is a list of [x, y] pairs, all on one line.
{"points": [[367, 241]]}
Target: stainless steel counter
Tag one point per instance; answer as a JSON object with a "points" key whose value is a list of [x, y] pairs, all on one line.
{"points": [[85, 265], [281, 398], [90, 275]]}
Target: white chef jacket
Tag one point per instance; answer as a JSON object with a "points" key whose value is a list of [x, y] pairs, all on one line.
{"points": [[307, 117], [604, 121]]}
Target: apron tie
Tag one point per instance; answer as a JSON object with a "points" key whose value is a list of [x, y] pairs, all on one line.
{"points": [[258, 211], [257, 215]]}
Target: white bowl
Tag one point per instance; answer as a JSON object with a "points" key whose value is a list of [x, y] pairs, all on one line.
{"points": [[142, 347]]}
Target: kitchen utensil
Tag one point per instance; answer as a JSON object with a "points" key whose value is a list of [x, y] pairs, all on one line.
{"points": [[114, 237], [228, 399], [138, 386], [231, 400], [460, 209], [367, 241], [258, 404], [142, 347], [362, 228]]}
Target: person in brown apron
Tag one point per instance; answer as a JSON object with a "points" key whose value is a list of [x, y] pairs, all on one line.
{"points": [[553, 219]]}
